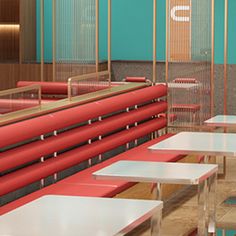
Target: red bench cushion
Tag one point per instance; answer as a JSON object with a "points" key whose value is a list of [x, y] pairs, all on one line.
{"points": [[83, 183], [186, 107], [62, 189], [140, 153]]}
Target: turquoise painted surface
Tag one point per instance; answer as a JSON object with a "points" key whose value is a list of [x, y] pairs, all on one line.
{"points": [[161, 30], [232, 33], [132, 30], [230, 201], [228, 232], [219, 31], [201, 30], [47, 30], [103, 29], [38, 32]]}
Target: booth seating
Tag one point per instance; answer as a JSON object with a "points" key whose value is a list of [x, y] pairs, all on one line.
{"points": [[45, 146], [61, 88], [192, 108], [49, 90], [47, 87], [137, 79], [12, 105]]}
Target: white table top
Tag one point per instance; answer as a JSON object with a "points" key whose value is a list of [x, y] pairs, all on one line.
{"points": [[77, 216], [222, 121], [223, 144], [161, 172], [182, 85]]}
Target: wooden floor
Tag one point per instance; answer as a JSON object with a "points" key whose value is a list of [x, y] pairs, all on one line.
{"points": [[180, 211]]}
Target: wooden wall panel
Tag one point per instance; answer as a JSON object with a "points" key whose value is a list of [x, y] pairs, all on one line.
{"points": [[9, 11], [9, 43], [8, 75], [11, 73], [28, 31], [9, 30]]}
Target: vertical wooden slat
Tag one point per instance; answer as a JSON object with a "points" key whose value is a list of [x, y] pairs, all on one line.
{"points": [[154, 41], [225, 58], [9, 30], [97, 35], [54, 40], [28, 30], [42, 38], [167, 40], [109, 36], [212, 55]]}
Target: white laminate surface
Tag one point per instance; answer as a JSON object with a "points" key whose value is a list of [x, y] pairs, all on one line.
{"points": [[161, 172], [223, 144], [222, 121], [182, 85], [77, 216]]}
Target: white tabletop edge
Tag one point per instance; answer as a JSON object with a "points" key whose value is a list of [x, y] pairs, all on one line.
{"points": [[191, 152], [135, 178], [141, 220], [150, 208], [221, 121]]}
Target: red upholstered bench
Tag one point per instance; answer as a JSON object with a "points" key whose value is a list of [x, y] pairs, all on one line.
{"points": [[83, 184], [61, 88], [11, 105], [47, 87], [68, 138], [62, 189], [186, 107], [171, 117], [140, 153], [136, 79]]}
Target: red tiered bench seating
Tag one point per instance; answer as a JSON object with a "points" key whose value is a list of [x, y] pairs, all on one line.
{"points": [[77, 135], [136, 79], [61, 88]]}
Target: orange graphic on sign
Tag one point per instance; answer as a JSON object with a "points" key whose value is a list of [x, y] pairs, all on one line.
{"points": [[180, 30]]}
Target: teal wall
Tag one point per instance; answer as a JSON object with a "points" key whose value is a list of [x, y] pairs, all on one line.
{"points": [[132, 27], [47, 30], [232, 32], [228, 232], [219, 31], [132, 30]]}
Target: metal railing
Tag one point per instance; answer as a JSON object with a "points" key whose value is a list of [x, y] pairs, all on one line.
{"points": [[88, 83], [18, 99]]}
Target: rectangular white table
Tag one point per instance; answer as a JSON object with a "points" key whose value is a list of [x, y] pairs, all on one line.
{"points": [[222, 121], [78, 216], [225, 121], [199, 143], [174, 173], [182, 85], [203, 143]]}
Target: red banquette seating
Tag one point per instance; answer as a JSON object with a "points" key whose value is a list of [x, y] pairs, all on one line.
{"points": [[40, 150]]}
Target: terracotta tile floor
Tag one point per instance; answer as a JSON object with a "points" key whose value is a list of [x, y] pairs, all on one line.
{"points": [[180, 213]]}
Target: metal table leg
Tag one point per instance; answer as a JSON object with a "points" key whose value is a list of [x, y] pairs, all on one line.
{"points": [[207, 206], [156, 224], [212, 183], [202, 208], [156, 218]]}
